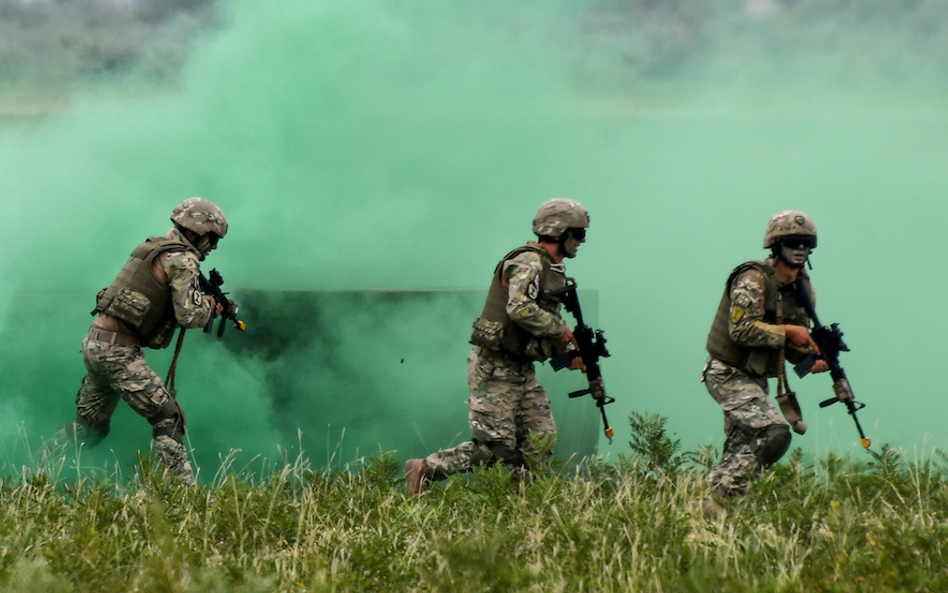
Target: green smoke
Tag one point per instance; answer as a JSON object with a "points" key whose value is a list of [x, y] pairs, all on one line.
{"points": [[390, 145]]}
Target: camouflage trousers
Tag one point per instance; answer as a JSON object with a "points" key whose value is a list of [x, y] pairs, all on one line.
{"points": [[748, 410], [507, 405], [116, 372]]}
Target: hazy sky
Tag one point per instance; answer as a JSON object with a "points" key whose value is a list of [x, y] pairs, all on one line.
{"points": [[364, 145]]}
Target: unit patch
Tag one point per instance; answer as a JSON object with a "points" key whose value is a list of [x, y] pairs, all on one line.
{"points": [[533, 289], [737, 313]]}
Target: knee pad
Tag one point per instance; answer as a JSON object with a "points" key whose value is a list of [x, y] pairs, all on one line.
{"points": [[169, 421], [774, 441]]}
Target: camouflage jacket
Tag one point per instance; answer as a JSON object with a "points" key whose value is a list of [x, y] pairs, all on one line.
{"points": [[746, 332], [520, 317]]}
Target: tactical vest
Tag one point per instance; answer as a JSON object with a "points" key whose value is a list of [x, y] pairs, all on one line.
{"points": [[762, 362], [495, 330], [139, 299]]}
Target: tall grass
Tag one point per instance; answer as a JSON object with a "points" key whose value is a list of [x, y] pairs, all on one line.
{"points": [[635, 525]]}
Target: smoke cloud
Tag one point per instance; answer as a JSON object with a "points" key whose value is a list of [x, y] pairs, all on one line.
{"points": [[375, 159]]}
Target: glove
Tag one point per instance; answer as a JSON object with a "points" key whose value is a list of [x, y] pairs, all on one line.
{"points": [[597, 389], [844, 392]]}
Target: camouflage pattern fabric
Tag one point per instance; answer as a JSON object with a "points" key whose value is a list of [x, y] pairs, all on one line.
{"points": [[113, 373], [746, 324], [117, 372], [748, 410], [121, 372], [522, 274], [192, 308], [507, 404], [175, 458], [744, 398]]}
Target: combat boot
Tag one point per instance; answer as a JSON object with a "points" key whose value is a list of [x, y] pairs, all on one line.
{"points": [[711, 508], [417, 476], [714, 503]]}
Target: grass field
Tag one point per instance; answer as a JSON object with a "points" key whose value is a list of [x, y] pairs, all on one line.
{"points": [[636, 525]]}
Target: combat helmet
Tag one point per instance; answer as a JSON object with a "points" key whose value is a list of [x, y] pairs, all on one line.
{"points": [[790, 223], [557, 215], [204, 218], [201, 216]]}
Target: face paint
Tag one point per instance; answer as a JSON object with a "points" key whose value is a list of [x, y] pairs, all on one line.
{"points": [[571, 242], [206, 244], [795, 255]]}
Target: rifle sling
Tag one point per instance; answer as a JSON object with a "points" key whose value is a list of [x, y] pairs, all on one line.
{"points": [[786, 398], [169, 381]]}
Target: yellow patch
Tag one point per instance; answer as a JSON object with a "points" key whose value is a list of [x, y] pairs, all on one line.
{"points": [[737, 313]]}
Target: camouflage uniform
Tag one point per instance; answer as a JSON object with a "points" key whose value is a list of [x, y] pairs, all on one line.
{"points": [[167, 270], [507, 403], [519, 325], [750, 416]]}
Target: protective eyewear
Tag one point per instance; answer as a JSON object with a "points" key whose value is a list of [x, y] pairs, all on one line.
{"points": [[799, 243]]}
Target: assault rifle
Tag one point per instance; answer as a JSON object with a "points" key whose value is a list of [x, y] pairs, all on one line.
{"points": [[592, 347], [212, 286], [830, 341]]}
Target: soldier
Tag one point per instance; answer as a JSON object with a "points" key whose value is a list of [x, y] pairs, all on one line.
{"points": [[156, 291], [760, 322], [520, 324]]}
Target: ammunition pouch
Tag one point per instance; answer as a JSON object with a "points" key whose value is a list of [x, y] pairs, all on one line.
{"points": [[510, 339], [163, 335], [488, 334], [128, 305]]}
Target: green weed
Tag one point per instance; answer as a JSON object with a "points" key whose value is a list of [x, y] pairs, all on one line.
{"points": [[831, 524]]}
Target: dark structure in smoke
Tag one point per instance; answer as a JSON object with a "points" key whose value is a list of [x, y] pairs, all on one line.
{"points": [[376, 369]]}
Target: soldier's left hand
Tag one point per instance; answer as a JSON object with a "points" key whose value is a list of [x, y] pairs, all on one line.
{"points": [[820, 366], [597, 388], [577, 364]]}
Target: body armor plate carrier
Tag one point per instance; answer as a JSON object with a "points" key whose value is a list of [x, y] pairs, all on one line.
{"points": [[762, 362], [139, 299], [495, 330]]}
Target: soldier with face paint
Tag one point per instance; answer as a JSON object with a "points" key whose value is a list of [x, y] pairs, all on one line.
{"points": [[760, 324], [156, 291], [520, 325]]}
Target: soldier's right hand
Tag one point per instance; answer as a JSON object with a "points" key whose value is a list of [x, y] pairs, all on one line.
{"points": [[800, 337], [843, 391], [568, 337], [597, 388], [216, 308]]}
